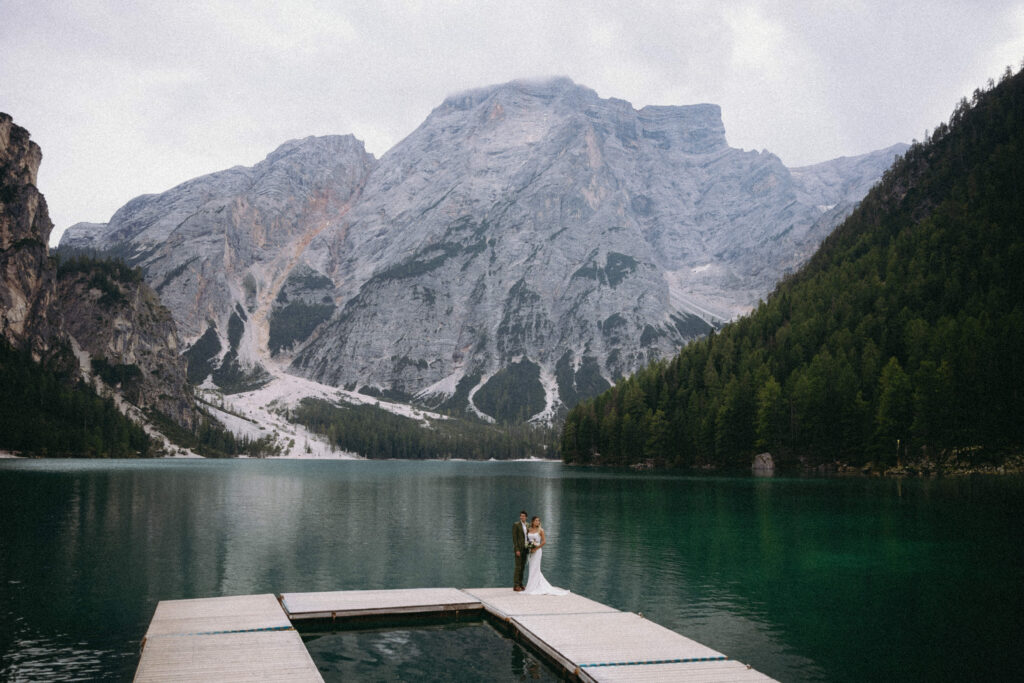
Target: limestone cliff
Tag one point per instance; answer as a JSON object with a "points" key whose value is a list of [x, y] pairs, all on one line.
{"points": [[130, 337], [101, 308], [223, 249], [526, 246], [27, 279]]}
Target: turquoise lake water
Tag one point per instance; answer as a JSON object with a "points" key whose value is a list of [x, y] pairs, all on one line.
{"points": [[804, 579]]}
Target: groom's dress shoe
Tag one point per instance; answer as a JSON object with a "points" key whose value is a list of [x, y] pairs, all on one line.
{"points": [[518, 588]]}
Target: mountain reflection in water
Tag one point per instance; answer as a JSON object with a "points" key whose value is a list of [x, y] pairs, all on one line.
{"points": [[801, 578]]}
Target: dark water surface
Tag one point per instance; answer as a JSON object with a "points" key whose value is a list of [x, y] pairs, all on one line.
{"points": [[804, 579], [449, 652]]}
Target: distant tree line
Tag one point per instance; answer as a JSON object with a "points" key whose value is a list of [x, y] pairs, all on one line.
{"points": [[91, 262], [210, 440], [376, 433], [103, 271], [903, 337], [47, 412]]}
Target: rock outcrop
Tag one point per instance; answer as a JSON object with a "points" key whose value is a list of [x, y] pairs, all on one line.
{"points": [[130, 337], [221, 249], [84, 237], [527, 245], [101, 308], [28, 318]]}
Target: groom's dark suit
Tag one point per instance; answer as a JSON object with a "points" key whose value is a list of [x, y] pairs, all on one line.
{"points": [[519, 545]]}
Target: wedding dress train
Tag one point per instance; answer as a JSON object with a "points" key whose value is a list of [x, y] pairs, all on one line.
{"points": [[536, 584]]}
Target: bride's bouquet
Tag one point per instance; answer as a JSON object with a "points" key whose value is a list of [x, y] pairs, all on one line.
{"points": [[531, 546]]}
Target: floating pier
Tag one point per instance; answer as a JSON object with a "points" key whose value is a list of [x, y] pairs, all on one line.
{"points": [[238, 638], [253, 637]]}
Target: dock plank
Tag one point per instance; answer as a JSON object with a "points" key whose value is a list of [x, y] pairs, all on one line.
{"points": [[611, 638], [227, 657], [506, 603], [370, 602], [209, 615], [725, 671]]}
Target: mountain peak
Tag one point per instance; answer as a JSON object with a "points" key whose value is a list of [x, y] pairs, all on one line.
{"points": [[694, 128], [316, 144], [544, 89], [703, 114]]}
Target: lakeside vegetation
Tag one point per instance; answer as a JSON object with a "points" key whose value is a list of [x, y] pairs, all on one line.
{"points": [[900, 341], [210, 440], [376, 433], [45, 411]]}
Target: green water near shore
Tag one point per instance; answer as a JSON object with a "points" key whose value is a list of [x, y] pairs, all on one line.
{"points": [[804, 579]]}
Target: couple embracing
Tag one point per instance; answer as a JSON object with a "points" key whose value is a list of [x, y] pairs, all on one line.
{"points": [[528, 542]]}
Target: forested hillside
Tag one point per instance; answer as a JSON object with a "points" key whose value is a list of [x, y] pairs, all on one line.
{"points": [[45, 409], [376, 433], [49, 413], [901, 339]]}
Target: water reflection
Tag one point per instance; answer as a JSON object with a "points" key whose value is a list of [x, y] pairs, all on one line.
{"points": [[453, 652], [797, 577]]}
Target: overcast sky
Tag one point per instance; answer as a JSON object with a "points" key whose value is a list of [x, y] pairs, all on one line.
{"points": [[135, 96]]}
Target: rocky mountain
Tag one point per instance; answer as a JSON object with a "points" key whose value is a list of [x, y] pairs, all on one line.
{"points": [[101, 312], [28, 318], [219, 249], [527, 245], [125, 336]]}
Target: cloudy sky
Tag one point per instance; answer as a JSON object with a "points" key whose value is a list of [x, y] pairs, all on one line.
{"points": [[134, 96]]}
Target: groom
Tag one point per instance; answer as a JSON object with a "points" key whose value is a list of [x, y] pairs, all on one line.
{"points": [[519, 543]]}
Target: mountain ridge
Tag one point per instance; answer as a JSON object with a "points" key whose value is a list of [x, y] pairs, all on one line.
{"points": [[529, 225]]}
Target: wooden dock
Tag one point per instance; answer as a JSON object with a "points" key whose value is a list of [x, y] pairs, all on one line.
{"points": [[253, 637], [347, 604], [239, 638]]}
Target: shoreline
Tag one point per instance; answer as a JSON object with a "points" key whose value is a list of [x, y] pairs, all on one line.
{"points": [[307, 458], [1011, 465]]}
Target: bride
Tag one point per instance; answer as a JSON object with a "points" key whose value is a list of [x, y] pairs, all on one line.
{"points": [[537, 584]]}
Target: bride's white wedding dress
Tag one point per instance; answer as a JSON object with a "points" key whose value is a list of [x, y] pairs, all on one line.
{"points": [[536, 584]]}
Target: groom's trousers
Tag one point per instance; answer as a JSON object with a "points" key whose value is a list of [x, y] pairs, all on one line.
{"points": [[520, 565]]}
